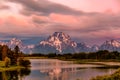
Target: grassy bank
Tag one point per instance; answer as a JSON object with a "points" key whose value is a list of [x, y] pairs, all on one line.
{"points": [[76, 60], [36, 57], [114, 76], [10, 68], [2, 64], [109, 62]]}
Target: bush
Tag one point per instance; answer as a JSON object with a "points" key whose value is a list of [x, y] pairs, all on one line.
{"points": [[23, 62], [114, 76], [7, 61]]}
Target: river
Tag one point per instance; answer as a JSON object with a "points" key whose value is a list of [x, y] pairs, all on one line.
{"points": [[53, 69]]}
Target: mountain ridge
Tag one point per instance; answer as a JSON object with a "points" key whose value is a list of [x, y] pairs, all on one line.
{"points": [[60, 42]]}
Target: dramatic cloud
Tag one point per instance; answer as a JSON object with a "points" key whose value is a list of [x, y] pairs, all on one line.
{"points": [[40, 19], [2, 7], [63, 19], [91, 5], [43, 17], [44, 7]]}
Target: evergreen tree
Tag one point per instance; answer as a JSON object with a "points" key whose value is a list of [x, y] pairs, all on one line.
{"points": [[16, 50], [16, 54], [0, 52], [4, 52]]}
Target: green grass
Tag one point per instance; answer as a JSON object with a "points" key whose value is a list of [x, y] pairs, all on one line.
{"points": [[114, 76], [11, 68], [3, 68], [36, 57], [2, 64]]}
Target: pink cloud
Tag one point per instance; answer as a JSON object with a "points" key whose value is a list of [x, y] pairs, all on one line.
{"points": [[40, 19], [16, 24], [113, 33], [91, 5], [65, 19], [1, 21], [17, 21]]}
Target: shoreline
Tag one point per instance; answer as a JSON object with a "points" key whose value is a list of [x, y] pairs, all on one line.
{"points": [[84, 61], [11, 68]]}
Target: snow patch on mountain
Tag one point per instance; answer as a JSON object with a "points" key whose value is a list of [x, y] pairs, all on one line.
{"points": [[59, 41], [111, 45]]}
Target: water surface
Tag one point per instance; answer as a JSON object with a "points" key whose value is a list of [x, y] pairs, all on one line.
{"points": [[53, 69]]}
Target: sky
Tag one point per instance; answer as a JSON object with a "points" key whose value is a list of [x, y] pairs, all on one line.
{"points": [[90, 21]]}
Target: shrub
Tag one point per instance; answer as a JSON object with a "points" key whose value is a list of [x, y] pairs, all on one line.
{"points": [[7, 61], [23, 62], [114, 76]]}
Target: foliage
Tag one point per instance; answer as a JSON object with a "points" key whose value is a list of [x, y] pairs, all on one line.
{"points": [[11, 57], [7, 62], [2, 63], [114, 76], [11, 68], [99, 55], [4, 51], [51, 55], [23, 62]]}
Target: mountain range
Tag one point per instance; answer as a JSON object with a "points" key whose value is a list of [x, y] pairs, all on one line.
{"points": [[60, 42]]}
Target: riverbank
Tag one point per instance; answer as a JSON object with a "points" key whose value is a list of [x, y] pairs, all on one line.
{"points": [[10, 68], [83, 71], [36, 57], [109, 62], [98, 62], [114, 76]]}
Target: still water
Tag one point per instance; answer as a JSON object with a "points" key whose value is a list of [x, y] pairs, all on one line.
{"points": [[53, 69]]}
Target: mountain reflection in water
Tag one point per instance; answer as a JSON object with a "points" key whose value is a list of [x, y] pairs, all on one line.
{"points": [[53, 69]]}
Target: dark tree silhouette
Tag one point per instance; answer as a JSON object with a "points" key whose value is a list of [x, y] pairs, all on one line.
{"points": [[4, 52]]}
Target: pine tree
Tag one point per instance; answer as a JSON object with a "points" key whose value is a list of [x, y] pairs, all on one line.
{"points": [[16, 50], [16, 54], [0, 52], [4, 52]]}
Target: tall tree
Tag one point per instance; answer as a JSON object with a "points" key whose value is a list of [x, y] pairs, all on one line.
{"points": [[16, 54], [0, 52], [4, 52], [16, 50]]}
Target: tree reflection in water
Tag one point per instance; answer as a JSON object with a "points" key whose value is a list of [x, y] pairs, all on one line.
{"points": [[15, 75]]}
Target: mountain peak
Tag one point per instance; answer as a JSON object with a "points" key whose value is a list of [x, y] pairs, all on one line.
{"points": [[15, 41], [59, 41], [111, 45], [61, 36], [113, 42]]}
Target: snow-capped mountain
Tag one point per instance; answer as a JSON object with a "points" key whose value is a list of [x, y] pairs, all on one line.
{"points": [[57, 42], [94, 48], [82, 47], [60, 42], [13, 42], [17, 42], [111, 45]]}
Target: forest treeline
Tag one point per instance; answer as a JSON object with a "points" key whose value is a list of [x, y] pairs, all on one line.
{"points": [[12, 57], [102, 54]]}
